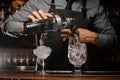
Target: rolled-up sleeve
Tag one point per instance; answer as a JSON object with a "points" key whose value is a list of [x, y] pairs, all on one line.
{"points": [[12, 25], [107, 34]]}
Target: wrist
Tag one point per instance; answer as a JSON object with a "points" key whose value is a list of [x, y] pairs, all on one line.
{"points": [[21, 28], [96, 38]]}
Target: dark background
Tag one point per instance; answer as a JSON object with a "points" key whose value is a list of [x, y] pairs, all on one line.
{"points": [[23, 46]]}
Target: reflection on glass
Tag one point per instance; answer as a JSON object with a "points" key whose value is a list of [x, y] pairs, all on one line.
{"points": [[27, 60]]}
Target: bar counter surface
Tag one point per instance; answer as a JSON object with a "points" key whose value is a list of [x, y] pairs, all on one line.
{"points": [[88, 75]]}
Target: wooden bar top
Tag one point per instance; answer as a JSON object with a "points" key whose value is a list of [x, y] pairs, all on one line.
{"points": [[40, 77], [34, 76]]}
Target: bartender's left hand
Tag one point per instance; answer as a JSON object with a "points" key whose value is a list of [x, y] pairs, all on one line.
{"points": [[84, 35]]}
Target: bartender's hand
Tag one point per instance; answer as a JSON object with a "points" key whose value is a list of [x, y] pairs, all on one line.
{"points": [[84, 35], [37, 15]]}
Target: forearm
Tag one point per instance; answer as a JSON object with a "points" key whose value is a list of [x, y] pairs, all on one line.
{"points": [[13, 25], [107, 34], [106, 41], [12, 28], [101, 40]]}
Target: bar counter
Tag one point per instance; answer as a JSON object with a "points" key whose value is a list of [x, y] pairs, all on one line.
{"points": [[88, 75]]}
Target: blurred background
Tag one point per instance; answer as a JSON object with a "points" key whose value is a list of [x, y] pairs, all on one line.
{"points": [[17, 52]]}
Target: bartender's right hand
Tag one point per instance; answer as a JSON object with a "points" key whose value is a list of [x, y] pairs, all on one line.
{"points": [[39, 15]]}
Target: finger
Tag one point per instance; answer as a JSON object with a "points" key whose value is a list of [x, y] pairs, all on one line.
{"points": [[65, 35], [31, 17], [36, 15], [78, 31], [48, 15], [42, 14], [65, 30]]}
